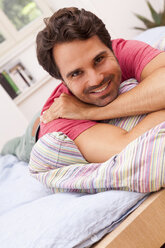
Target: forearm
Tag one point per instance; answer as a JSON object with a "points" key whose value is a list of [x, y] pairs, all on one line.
{"points": [[102, 141], [148, 96], [150, 121]]}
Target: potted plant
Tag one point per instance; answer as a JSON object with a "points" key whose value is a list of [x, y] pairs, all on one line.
{"points": [[158, 18]]}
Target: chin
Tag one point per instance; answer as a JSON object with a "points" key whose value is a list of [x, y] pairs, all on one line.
{"points": [[106, 100], [102, 104]]}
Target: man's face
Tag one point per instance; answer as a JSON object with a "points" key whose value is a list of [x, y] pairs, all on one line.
{"points": [[89, 69]]}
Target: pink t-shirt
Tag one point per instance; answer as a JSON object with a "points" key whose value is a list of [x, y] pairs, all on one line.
{"points": [[132, 56]]}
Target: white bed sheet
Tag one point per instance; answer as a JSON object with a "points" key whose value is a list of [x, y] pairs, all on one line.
{"points": [[152, 35], [32, 217]]}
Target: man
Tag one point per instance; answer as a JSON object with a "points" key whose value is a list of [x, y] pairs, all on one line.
{"points": [[76, 48]]}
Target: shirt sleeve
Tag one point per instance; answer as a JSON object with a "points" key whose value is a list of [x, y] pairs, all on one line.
{"points": [[72, 128], [133, 56]]}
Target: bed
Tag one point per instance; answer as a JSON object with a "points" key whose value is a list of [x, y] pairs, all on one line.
{"points": [[31, 216]]}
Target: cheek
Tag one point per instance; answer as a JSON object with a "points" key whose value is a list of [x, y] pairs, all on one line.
{"points": [[75, 87], [107, 68], [112, 67]]}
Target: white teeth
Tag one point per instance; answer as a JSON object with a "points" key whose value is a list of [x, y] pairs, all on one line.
{"points": [[98, 91]]}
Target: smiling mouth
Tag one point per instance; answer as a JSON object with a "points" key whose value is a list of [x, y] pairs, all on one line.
{"points": [[101, 89]]}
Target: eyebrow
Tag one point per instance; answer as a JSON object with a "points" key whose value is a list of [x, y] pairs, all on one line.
{"points": [[70, 73], [78, 69], [101, 53]]}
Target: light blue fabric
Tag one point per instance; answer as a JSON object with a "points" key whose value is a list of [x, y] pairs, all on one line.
{"points": [[22, 146], [152, 35], [32, 217]]}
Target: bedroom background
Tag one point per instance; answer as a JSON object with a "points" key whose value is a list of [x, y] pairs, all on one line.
{"points": [[16, 113]]}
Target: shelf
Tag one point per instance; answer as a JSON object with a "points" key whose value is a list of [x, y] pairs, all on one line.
{"points": [[29, 91], [15, 52]]}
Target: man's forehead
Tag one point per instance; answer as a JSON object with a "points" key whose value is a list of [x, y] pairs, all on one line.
{"points": [[77, 45], [75, 54]]}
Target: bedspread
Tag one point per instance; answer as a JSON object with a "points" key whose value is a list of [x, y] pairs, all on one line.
{"points": [[31, 216], [140, 167]]}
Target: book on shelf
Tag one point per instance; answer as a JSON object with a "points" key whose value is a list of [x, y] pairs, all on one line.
{"points": [[19, 81], [11, 82], [25, 74], [15, 78], [7, 86], [21, 75]]}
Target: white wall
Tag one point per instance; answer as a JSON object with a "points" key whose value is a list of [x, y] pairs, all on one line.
{"points": [[36, 100], [12, 123], [118, 15]]}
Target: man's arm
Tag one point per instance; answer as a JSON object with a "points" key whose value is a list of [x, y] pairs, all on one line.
{"points": [[102, 141], [146, 97]]}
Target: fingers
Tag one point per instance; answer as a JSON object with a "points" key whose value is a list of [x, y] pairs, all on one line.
{"points": [[50, 114], [46, 117], [59, 108], [43, 117]]}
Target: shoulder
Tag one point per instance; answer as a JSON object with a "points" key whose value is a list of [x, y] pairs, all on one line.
{"points": [[72, 128], [133, 55], [119, 45]]}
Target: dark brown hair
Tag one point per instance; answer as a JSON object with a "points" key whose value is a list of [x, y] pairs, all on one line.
{"points": [[66, 25]]}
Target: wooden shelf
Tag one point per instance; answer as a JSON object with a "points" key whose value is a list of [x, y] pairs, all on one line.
{"points": [[29, 91]]}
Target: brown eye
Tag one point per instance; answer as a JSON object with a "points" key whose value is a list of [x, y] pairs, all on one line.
{"points": [[98, 60], [76, 74]]}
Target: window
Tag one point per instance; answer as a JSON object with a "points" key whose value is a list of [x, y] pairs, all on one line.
{"points": [[20, 19], [20, 13]]}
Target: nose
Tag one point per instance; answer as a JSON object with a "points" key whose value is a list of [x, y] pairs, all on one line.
{"points": [[94, 78]]}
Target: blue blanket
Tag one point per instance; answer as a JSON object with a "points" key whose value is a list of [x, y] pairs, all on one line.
{"points": [[32, 217]]}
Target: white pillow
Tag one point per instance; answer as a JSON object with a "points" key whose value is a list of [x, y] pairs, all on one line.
{"points": [[160, 44], [151, 36]]}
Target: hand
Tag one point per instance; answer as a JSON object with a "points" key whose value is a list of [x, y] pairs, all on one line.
{"points": [[66, 106]]}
